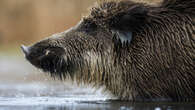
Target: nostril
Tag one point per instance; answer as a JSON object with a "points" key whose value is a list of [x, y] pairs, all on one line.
{"points": [[25, 49]]}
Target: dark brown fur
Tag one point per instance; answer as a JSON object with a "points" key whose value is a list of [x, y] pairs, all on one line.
{"points": [[157, 64]]}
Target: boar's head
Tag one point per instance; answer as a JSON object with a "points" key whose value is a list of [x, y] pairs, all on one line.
{"points": [[108, 25]]}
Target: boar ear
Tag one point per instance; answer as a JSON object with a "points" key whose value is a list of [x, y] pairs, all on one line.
{"points": [[130, 22], [133, 18]]}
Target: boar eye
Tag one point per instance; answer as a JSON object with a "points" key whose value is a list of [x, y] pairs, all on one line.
{"points": [[47, 52], [53, 51]]}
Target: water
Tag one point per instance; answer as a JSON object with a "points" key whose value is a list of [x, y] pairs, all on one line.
{"points": [[22, 87]]}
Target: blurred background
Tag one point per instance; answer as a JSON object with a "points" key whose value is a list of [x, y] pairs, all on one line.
{"points": [[27, 21]]}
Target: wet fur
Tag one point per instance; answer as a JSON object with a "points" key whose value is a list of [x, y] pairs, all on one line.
{"points": [[158, 65]]}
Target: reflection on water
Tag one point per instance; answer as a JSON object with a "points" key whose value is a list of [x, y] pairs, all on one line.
{"points": [[22, 87], [102, 106]]}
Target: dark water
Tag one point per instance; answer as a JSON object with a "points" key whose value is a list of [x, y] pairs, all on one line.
{"points": [[22, 87], [102, 106]]}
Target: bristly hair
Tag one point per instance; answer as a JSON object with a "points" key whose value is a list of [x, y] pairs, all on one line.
{"points": [[182, 6], [108, 13]]}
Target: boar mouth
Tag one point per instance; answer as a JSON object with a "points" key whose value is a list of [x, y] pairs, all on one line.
{"points": [[55, 63], [58, 66]]}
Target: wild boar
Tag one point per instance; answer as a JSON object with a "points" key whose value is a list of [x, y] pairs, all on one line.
{"points": [[138, 51]]}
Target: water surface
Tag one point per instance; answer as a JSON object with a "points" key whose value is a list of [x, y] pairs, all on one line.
{"points": [[22, 87]]}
